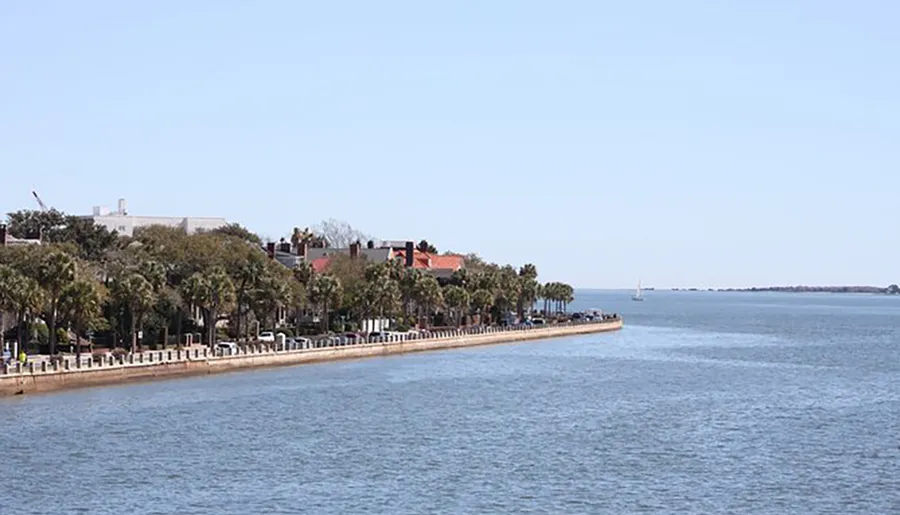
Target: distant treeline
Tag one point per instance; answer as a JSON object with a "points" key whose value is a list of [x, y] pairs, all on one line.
{"points": [[890, 290]]}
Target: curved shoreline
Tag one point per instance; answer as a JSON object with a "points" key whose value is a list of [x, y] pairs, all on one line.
{"points": [[172, 364]]}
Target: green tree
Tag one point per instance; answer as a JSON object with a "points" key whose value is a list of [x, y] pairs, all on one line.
{"points": [[247, 274], [213, 294], [219, 299], [457, 299], [81, 306], [92, 241], [424, 246], [270, 294], [528, 289], [169, 306], [382, 292], [20, 295], [507, 290], [56, 271], [326, 292], [409, 285], [240, 232], [25, 297], [429, 297], [135, 293], [483, 300]]}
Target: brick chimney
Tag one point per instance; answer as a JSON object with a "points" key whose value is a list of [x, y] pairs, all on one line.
{"points": [[370, 244], [354, 249], [2, 235], [410, 253], [270, 249], [285, 246]]}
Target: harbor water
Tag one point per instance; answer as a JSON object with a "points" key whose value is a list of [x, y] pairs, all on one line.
{"points": [[704, 403]]}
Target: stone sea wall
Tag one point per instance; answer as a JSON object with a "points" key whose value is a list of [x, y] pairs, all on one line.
{"points": [[65, 374]]}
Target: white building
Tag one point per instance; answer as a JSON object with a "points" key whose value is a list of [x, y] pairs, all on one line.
{"points": [[125, 224]]}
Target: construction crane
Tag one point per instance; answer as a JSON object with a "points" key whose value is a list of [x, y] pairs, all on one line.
{"points": [[39, 201]]}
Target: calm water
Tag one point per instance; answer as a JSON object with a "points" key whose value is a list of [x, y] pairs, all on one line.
{"points": [[705, 403]]}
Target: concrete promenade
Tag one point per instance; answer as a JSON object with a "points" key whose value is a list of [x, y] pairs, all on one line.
{"points": [[66, 373]]}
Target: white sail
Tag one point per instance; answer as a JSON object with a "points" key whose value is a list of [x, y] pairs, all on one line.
{"points": [[637, 294]]}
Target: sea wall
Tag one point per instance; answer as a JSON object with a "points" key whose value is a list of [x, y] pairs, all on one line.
{"points": [[65, 374]]}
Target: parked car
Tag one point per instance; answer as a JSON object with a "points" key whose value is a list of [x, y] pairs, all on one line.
{"points": [[538, 321], [352, 338], [267, 336], [298, 342], [227, 348]]}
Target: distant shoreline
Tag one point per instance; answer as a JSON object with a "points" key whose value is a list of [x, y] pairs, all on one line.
{"points": [[891, 290]]}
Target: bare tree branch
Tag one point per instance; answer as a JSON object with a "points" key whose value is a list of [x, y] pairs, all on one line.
{"points": [[340, 234]]}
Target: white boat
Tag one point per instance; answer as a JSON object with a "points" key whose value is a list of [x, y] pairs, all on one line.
{"points": [[638, 296]]}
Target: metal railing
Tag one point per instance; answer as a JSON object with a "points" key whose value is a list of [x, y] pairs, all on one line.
{"points": [[290, 345]]}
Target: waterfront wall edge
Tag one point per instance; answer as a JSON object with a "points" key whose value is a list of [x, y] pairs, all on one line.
{"points": [[16, 384]]}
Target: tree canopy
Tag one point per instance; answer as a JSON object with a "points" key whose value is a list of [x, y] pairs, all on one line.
{"points": [[87, 282]]}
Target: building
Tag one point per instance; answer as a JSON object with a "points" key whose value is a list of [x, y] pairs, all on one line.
{"points": [[125, 224], [441, 267], [7, 239], [319, 258]]}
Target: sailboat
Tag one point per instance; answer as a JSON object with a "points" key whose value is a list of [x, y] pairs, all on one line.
{"points": [[638, 296]]}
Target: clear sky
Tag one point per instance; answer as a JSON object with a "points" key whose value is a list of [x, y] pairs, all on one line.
{"points": [[688, 143]]}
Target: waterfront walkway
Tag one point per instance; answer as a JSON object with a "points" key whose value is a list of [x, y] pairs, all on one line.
{"points": [[69, 373]]}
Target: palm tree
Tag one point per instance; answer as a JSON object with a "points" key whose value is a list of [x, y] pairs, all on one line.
{"points": [[219, 298], [213, 293], [460, 278], [55, 272], [135, 293], [457, 300], [6, 296], [169, 305], [268, 296], [20, 295], [528, 289], [568, 295], [195, 292], [381, 291], [551, 293], [409, 285], [507, 290], [246, 279], [483, 300], [303, 275], [26, 297], [325, 291], [81, 305], [429, 296], [528, 270]]}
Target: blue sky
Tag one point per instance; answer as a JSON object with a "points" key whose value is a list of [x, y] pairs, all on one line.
{"points": [[687, 143]]}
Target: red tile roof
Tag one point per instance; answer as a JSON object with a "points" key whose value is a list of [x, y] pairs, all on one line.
{"points": [[428, 261], [319, 265]]}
